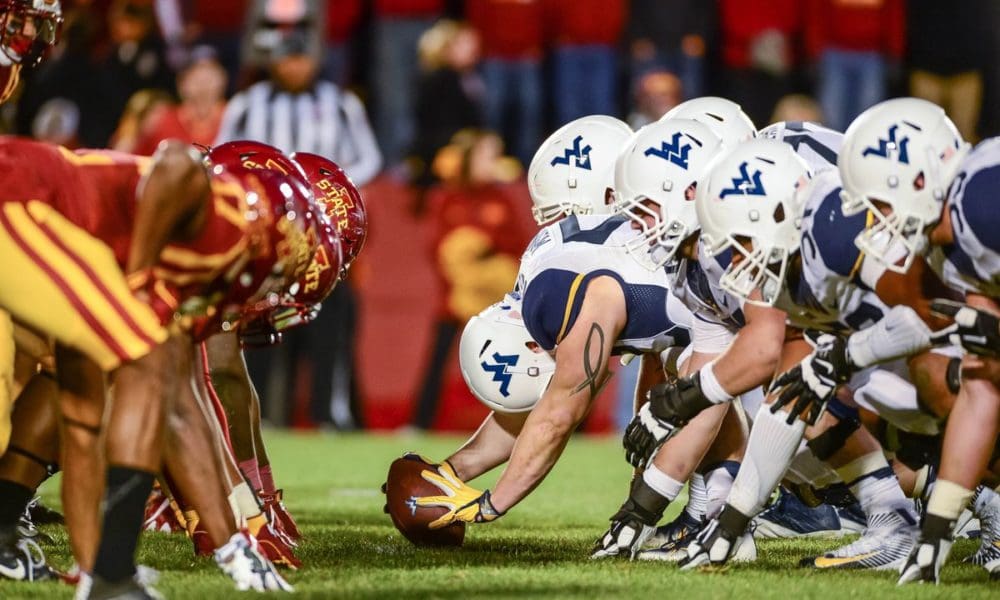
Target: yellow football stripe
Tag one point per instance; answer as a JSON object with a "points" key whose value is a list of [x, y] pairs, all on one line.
{"points": [[89, 295], [569, 305], [827, 562], [190, 259], [869, 220], [100, 260]]}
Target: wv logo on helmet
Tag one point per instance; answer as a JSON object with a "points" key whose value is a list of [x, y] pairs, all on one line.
{"points": [[671, 151], [888, 147], [499, 370], [581, 156], [745, 184]]}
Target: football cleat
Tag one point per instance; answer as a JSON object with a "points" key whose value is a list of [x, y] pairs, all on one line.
{"points": [[202, 543], [241, 560], [723, 539], [23, 560], [852, 519], [279, 516], [276, 547], [95, 588], [43, 515], [988, 553], [789, 517], [968, 526], [670, 542], [160, 515], [683, 527], [885, 544]]}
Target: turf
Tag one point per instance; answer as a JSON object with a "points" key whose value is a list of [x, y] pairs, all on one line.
{"points": [[540, 549]]}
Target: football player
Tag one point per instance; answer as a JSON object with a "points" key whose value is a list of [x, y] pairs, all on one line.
{"points": [[27, 29], [924, 191], [95, 316], [583, 297], [815, 288], [659, 167], [340, 245]]}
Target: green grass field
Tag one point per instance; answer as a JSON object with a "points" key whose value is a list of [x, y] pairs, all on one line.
{"points": [[539, 549]]}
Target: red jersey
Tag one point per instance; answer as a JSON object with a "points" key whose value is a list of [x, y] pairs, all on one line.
{"points": [[96, 190]]}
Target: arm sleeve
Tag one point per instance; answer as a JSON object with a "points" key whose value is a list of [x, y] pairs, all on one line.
{"points": [[367, 159]]}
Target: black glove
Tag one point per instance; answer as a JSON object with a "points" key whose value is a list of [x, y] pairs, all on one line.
{"points": [[975, 330], [812, 382], [670, 406], [633, 524]]}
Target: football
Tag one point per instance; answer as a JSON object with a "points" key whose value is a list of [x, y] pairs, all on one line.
{"points": [[402, 485]]}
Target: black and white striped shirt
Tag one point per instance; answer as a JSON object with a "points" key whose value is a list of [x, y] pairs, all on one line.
{"points": [[324, 120]]}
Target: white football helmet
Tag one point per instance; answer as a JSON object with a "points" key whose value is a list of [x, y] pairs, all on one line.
{"points": [[724, 117], [503, 367], [903, 153], [816, 144], [752, 194], [656, 177], [573, 169]]}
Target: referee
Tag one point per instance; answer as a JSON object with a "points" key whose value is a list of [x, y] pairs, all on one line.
{"points": [[296, 112]]}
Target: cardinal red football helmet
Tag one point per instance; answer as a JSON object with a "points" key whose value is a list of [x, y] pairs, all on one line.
{"points": [[340, 199], [249, 154], [27, 29], [282, 236]]}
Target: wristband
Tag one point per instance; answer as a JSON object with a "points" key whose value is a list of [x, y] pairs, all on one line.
{"points": [[710, 386]]}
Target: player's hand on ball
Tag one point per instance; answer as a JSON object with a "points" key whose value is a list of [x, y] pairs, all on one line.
{"points": [[464, 503]]}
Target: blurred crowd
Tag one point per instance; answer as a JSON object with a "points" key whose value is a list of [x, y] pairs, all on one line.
{"points": [[452, 97]]}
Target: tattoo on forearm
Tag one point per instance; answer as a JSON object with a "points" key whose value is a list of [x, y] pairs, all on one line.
{"points": [[593, 361]]}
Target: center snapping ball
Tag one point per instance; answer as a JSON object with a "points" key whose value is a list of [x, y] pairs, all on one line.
{"points": [[402, 486]]}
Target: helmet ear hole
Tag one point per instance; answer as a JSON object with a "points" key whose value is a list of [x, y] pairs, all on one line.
{"points": [[779, 213], [919, 181]]}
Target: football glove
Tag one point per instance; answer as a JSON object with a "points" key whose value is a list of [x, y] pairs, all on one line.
{"points": [[633, 524], [671, 405], [975, 330], [812, 382], [464, 503], [930, 553], [717, 541]]}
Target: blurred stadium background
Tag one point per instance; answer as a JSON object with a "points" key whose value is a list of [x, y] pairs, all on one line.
{"points": [[435, 107]]}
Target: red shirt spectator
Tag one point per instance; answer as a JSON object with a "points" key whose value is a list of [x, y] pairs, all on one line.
{"points": [[408, 8], [872, 25], [585, 22], [220, 16], [742, 21], [508, 29], [342, 17]]}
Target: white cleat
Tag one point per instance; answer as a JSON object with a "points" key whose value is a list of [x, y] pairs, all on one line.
{"points": [[241, 560], [884, 545]]}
